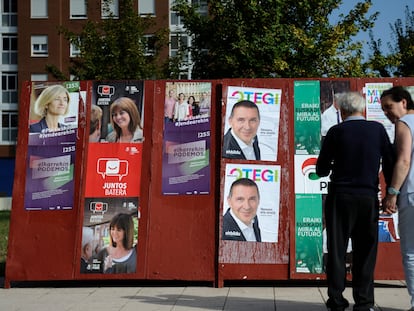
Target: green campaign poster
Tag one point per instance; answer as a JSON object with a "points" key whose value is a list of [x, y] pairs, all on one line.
{"points": [[309, 233], [308, 215], [307, 117]]}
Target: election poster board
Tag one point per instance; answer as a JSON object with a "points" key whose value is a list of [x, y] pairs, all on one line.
{"points": [[186, 139], [314, 101], [113, 178], [53, 128]]}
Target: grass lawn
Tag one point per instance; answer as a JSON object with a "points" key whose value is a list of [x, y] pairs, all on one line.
{"points": [[4, 235]]}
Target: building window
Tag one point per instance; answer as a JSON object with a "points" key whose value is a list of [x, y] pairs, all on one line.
{"points": [[39, 46], [74, 50], [9, 13], [78, 9], [38, 9], [176, 20], [38, 77], [179, 44], [202, 6], [9, 126], [146, 7], [149, 42], [9, 88], [109, 9], [9, 50]]}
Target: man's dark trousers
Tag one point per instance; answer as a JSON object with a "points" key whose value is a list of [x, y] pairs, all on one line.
{"points": [[356, 216]]}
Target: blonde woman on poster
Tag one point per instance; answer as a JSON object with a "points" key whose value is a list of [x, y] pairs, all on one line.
{"points": [[51, 105]]}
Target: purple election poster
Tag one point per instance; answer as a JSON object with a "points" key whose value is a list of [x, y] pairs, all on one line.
{"points": [[53, 128], [186, 143], [49, 177]]}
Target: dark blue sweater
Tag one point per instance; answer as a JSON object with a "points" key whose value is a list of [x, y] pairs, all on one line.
{"points": [[353, 150]]}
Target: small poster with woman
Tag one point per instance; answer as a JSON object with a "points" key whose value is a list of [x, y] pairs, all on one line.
{"points": [[53, 117], [117, 112], [109, 236]]}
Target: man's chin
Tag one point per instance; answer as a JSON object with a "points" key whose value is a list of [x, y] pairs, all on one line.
{"points": [[246, 221], [247, 141]]}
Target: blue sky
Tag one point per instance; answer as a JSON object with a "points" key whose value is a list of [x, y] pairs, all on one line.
{"points": [[389, 12]]}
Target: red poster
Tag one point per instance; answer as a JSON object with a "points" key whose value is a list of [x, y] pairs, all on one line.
{"points": [[113, 170]]}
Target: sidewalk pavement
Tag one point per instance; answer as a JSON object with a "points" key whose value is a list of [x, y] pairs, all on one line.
{"points": [[389, 295]]}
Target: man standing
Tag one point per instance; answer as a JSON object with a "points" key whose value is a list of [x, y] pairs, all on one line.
{"points": [[352, 152], [240, 222], [240, 141]]}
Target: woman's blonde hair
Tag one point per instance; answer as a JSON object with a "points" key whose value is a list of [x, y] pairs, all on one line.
{"points": [[47, 96]]}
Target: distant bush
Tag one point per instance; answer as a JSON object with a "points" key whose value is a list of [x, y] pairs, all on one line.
{"points": [[4, 237]]}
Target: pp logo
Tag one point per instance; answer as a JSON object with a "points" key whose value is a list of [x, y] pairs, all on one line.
{"points": [[98, 207], [112, 167], [309, 168]]}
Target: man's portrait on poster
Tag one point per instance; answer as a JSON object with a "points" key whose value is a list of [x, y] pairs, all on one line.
{"points": [[240, 140], [240, 222]]}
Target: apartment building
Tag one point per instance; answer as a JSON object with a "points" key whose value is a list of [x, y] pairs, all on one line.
{"points": [[9, 98], [30, 41]]}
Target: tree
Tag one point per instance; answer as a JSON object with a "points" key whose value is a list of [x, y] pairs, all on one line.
{"points": [[115, 48], [275, 38], [400, 60]]}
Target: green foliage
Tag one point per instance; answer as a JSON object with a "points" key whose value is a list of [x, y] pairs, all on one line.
{"points": [[275, 38], [404, 45], [115, 48], [400, 61], [4, 234]]}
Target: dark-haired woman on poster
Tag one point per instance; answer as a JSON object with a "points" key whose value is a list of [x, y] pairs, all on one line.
{"points": [[126, 122], [120, 256]]}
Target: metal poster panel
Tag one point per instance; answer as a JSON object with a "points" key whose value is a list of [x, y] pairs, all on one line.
{"points": [[240, 131], [113, 178], [186, 140], [53, 126], [253, 202]]}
